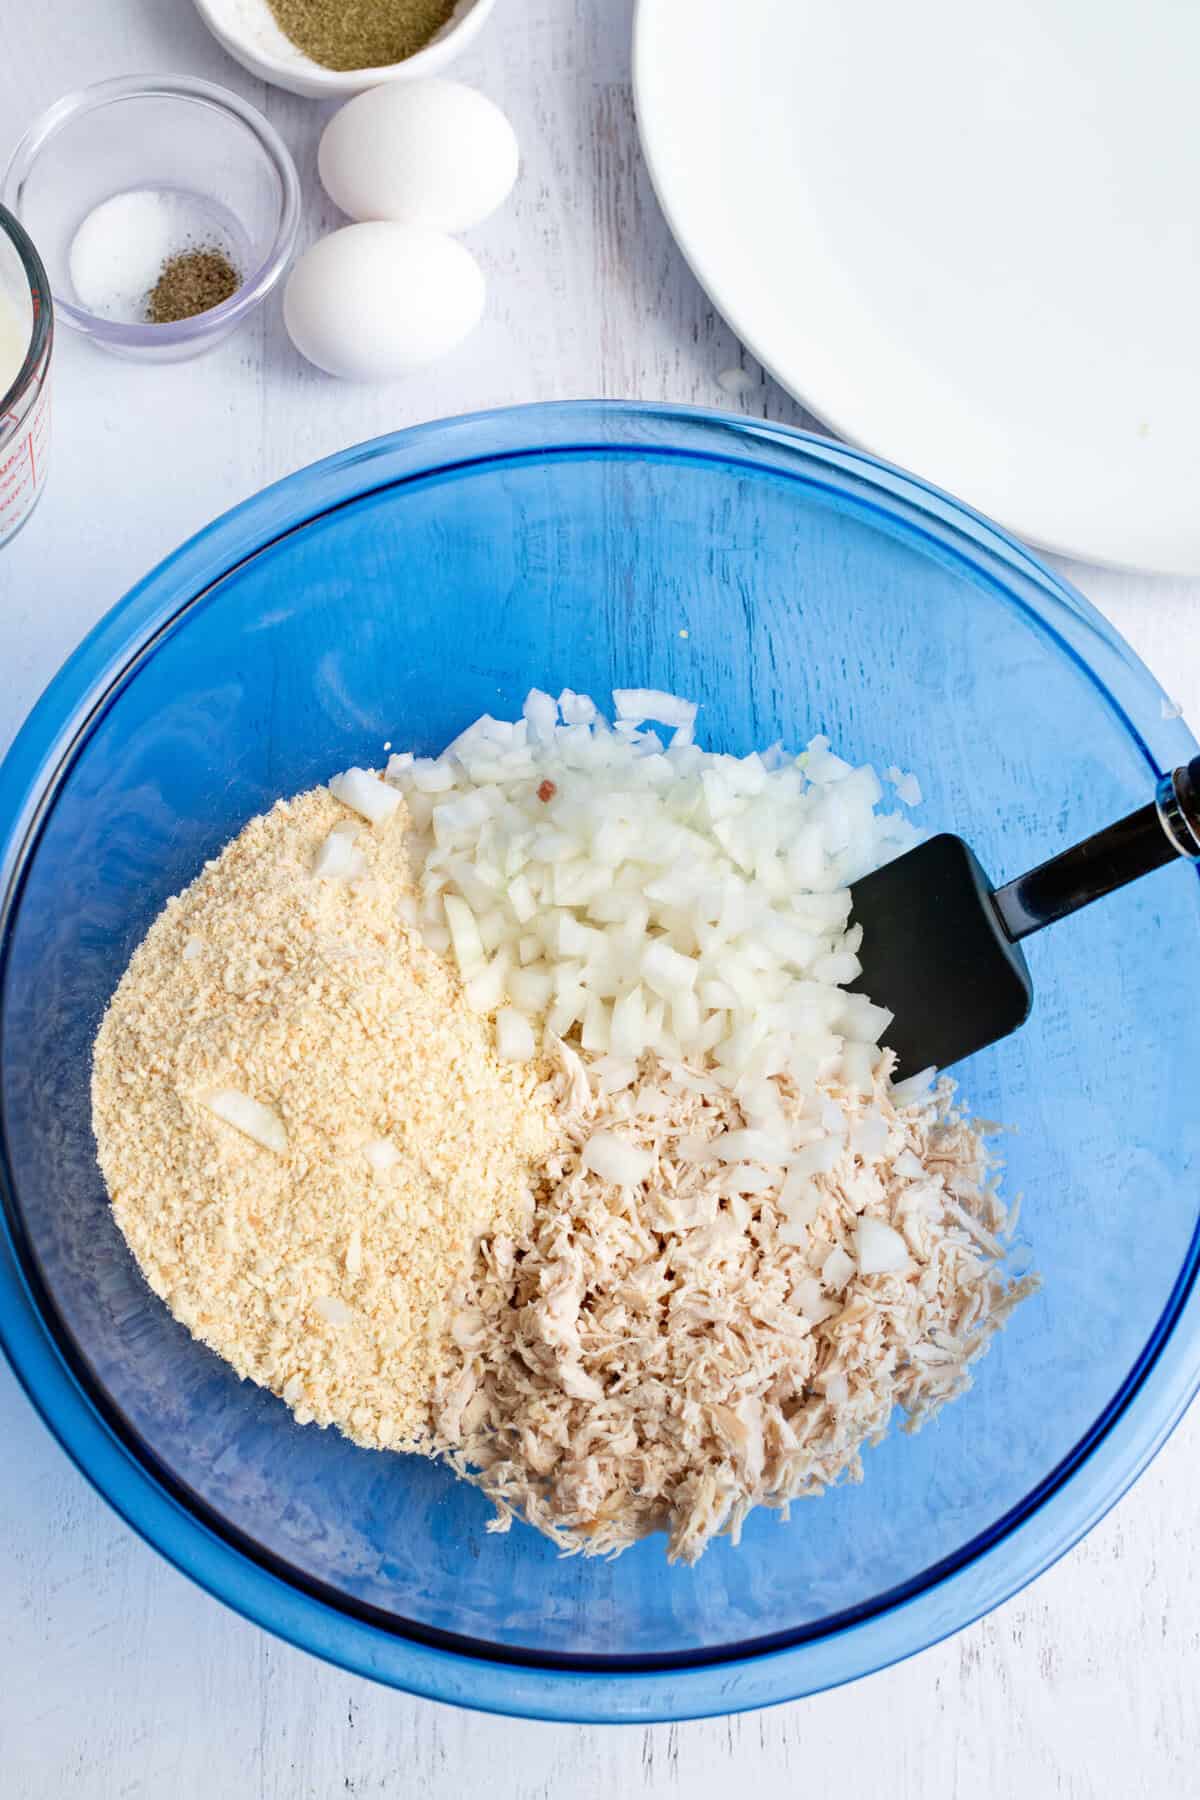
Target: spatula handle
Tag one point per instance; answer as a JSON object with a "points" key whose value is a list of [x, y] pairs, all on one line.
{"points": [[1179, 809], [1156, 834]]}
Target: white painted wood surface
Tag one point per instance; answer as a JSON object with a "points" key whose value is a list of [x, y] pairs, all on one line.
{"points": [[117, 1677]]}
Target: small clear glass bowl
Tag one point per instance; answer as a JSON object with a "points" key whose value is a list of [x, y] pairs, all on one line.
{"points": [[225, 178]]}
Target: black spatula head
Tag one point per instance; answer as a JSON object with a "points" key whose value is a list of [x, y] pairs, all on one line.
{"points": [[941, 946], [935, 953]]}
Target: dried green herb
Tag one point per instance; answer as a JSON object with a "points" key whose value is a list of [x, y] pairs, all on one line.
{"points": [[361, 34], [193, 281]]}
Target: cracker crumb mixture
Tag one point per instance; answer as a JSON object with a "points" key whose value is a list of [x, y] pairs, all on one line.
{"points": [[303, 1128]]}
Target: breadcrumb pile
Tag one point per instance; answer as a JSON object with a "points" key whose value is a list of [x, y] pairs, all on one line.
{"points": [[318, 1261], [670, 1357]]}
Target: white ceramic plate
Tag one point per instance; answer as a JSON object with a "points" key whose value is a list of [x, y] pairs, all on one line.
{"points": [[966, 236]]}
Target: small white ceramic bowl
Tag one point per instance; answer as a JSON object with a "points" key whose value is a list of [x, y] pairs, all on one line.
{"points": [[248, 31]]}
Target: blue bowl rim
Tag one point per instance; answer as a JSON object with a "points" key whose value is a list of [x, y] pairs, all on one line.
{"points": [[943, 1599]]}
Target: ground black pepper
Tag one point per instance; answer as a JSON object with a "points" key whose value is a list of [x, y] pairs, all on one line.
{"points": [[361, 34], [191, 282]]}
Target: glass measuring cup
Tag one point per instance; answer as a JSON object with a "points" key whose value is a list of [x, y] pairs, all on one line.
{"points": [[26, 320]]}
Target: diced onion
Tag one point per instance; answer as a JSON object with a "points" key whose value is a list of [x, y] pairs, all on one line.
{"points": [[485, 990], [908, 788], [812, 1302], [576, 709], [748, 1178], [464, 935], [639, 899], [816, 1159], [868, 1138], [793, 1232], [382, 1155], [735, 1146], [430, 776], [612, 1159], [262, 1123], [332, 1310], [837, 1269], [906, 1093], [858, 1063], [666, 971], [338, 860], [365, 794], [639, 704], [627, 1032], [879, 1249], [799, 1198], [514, 1036], [541, 714]]}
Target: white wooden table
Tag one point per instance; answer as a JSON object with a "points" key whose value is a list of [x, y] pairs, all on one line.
{"points": [[117, 1677]]}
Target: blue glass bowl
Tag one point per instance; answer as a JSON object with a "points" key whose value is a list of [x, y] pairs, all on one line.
{"points": [[790, 585]]}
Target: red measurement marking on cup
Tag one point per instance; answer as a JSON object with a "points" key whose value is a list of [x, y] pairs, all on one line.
{"points": [[23, 463]]}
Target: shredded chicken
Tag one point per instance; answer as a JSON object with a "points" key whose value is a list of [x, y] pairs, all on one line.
{"points": [[671, 1355]]}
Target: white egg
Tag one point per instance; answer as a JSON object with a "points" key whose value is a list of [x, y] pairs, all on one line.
{"points": [[431, 153], [375, 301]]}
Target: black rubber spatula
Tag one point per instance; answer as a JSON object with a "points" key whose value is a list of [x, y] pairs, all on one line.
{"points": [[941, 946]]}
